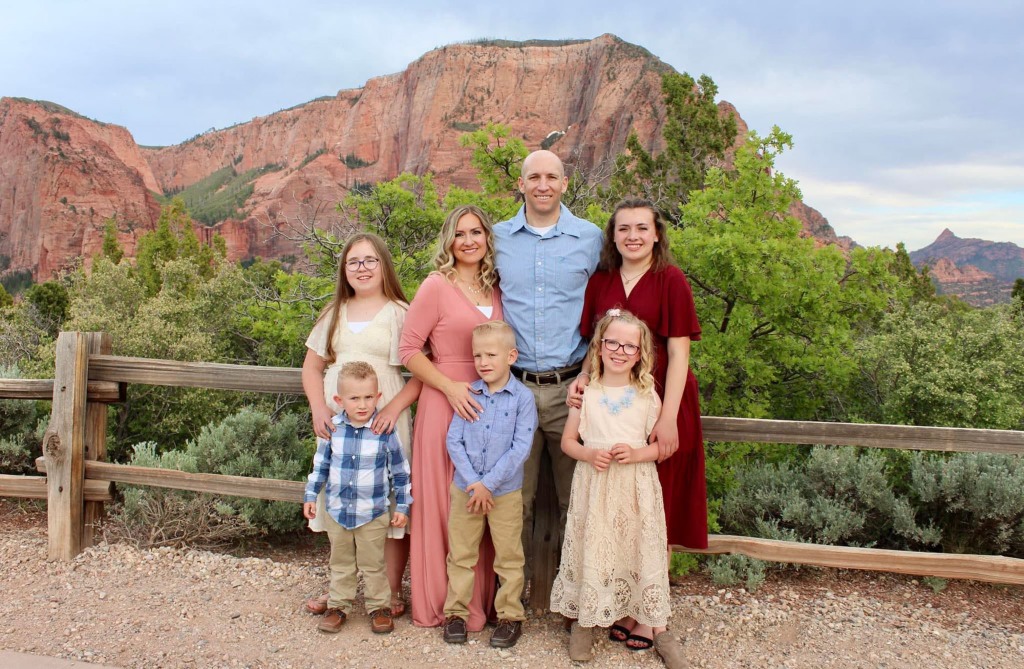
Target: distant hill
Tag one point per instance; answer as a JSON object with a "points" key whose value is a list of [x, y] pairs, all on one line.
{"points": [[979, 271]]}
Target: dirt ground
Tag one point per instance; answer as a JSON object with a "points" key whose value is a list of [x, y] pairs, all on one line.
{"points": [[117, 605]]}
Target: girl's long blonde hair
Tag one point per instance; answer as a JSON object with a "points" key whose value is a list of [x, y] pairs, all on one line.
{"points": [[444, 259], [640, 375], [343, 290]]}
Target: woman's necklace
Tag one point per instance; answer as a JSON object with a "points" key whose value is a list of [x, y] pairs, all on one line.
{"points": [[624, 402], [626, 280], [476, 290]]}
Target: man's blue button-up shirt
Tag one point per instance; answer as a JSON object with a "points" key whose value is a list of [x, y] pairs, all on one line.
{"points": [[543, 280]]}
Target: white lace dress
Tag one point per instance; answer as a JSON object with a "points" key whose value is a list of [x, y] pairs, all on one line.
{"points": [[614, 557]]}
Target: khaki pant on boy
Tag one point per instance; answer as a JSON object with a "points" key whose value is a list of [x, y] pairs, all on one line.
{"points": [[360, 549], [465, 530]]}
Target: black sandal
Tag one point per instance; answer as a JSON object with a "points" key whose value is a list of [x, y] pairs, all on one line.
{"points": [[645, 642], [618, 633]]}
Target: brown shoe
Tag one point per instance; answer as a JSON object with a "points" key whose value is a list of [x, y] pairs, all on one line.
{"points": [[506, 633], [381, 622], [455, 630], [317, 605], [332, 621]]}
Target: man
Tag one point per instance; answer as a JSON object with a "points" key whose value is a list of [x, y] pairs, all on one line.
{"points": [[545, 256]]}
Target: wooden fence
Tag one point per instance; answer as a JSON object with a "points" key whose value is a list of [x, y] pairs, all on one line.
{"points": [[78, 481]]}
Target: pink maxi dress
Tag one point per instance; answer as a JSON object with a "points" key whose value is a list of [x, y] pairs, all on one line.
{"points": [[443, 318]]}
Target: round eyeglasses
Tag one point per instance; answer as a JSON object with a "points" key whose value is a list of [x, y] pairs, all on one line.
{"points": [[613, 345], [369, 263]]}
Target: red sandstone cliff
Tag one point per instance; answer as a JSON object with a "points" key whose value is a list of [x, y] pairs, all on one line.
{"points": [[61, 177], [595, 92]]}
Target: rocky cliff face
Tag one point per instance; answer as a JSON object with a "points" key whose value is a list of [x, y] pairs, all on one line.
{"points": [[588, 94], [979, 271], [61, 177]]}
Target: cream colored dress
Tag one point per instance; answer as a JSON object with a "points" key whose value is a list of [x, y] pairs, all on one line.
{"points": [[376, 344], [614, 557]]}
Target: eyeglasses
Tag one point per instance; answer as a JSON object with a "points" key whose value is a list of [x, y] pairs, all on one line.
{"points": [[612, 345], [369, 263]]}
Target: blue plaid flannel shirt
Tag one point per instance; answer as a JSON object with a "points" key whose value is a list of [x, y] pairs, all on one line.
{"points": [[359, 469]]}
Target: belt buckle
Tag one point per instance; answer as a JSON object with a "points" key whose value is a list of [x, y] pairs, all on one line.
{"points": [[548, 379]]}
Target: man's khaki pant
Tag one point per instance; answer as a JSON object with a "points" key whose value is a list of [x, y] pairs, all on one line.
{"points": [[552, 413]]}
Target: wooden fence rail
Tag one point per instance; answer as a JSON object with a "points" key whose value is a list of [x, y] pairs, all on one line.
{"points": [[87, 378]]}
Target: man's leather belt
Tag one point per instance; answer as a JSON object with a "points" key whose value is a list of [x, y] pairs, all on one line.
{"points": [[553, 377]]}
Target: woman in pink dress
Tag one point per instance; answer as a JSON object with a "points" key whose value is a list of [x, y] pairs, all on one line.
{"points": [[460, 295]]}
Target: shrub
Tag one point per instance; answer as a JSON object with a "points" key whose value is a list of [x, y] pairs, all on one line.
{"points": [[152, 517], [247, 443], [734, 569], [958, 503], [18, 439]]}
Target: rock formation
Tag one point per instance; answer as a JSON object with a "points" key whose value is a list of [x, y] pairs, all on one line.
{"points": [[979, 271], [62, 175]]}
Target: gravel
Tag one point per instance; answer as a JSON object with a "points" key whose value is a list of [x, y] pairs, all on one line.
{"points": [[118, 605]]}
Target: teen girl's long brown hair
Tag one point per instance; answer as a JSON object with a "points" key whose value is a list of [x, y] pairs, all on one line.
{"points": [[343, 290]]}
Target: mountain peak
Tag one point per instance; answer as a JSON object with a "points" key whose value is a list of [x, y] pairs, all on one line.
{"points": [[946, 236]]}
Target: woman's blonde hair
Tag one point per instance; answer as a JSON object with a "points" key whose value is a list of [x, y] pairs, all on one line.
{"points": [[444, 259], [640, 375], [343, 290]]}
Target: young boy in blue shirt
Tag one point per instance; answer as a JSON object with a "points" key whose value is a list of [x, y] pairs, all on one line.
{"points": [[488, 455], [359, 468]]}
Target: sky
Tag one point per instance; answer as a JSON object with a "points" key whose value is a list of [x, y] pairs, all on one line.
{"points": [[905, 114]]}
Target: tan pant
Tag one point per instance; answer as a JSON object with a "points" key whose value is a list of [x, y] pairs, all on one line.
{"points": [[360, 549], [465, 530], [552, 413]]}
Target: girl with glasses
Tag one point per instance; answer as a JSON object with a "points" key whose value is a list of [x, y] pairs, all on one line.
{"points": [[363, 321], [614, 565]]}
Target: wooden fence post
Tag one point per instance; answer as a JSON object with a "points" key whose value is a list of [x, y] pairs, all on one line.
{"points": [[95, 437], [546, 540], [64, 448]]}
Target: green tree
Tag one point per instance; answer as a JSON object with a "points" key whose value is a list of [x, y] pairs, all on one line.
{"points": [[697, 135], [1017, 293], [776, 309], [174, 237], [112, 250], [920, 284], [5, 298], [407, 213], [191, 318], [497, 159], [49, 301], [930, 364]]}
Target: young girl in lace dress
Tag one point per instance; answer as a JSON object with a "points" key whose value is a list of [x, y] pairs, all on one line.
{"points": [[614, 569]]}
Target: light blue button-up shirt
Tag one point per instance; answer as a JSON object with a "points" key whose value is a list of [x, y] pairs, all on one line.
{"points": [[494, 448], [543, 280]]}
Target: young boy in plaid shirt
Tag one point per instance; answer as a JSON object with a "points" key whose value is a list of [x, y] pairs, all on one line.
{"points": [[360, 469]]}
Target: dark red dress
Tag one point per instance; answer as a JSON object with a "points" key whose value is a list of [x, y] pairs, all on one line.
{"points": [[664, 301]]}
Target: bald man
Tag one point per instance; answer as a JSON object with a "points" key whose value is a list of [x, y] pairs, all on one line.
{"points": [[545, 256]]}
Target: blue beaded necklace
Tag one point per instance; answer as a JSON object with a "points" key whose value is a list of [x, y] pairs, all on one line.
{"points": [[624, 402]]}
